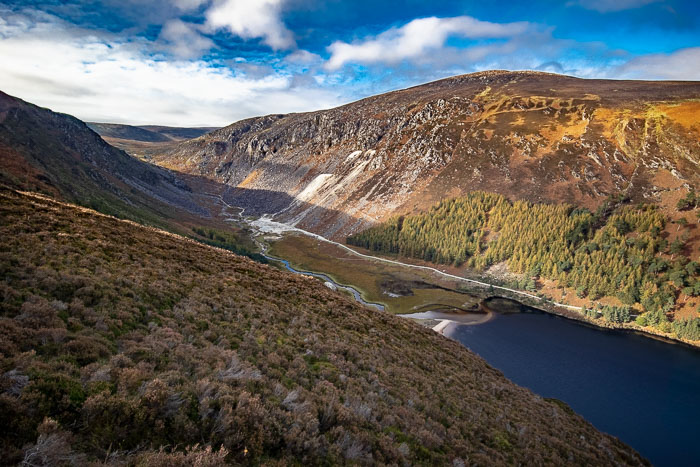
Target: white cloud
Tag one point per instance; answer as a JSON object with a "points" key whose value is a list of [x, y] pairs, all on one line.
{"points": [[102, 79], [184, 39], [416, 39], [303, 57], [605, 6], [188, 5], [683, 64], [251, 19]]}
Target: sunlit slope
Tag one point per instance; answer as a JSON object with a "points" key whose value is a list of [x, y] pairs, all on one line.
{"points": [[526, 135]]}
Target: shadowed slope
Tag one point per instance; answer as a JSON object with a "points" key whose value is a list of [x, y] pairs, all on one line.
{"points": [[58, 154]]}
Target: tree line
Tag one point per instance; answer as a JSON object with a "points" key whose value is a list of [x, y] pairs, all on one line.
{"points": [[617, 251]]}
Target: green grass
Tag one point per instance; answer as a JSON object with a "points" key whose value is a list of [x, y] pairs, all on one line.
{"points": [[367, 276]]}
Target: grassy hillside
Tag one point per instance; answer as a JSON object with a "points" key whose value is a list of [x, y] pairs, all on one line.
{"points": [[122, 343], [619, 251]]}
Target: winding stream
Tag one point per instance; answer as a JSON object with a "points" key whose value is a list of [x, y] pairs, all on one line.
{"points": [[355, 293]]}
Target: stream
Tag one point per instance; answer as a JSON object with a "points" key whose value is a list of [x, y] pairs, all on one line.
{"points": [[355, 293]]}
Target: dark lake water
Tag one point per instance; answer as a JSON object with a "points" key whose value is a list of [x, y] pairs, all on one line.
{"points": [[644, 391]]}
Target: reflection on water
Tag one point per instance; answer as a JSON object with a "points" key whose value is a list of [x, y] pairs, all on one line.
{"points": [[644, 391]]}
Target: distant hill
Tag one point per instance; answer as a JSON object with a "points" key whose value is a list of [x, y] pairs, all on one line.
{"points": [[127, 345], [179, 133], [143, 141], [147, 133], [111, 130], [59, 155]]}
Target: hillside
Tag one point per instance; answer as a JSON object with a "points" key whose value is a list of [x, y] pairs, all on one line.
{"points": [[123, 343], [617, 252], [526, 135], [142, 141], [128, 132], [177, 133], [59, 155], [147, 133]]}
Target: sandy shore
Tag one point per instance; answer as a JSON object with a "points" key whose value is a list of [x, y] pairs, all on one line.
{"points": [[440, 328]]}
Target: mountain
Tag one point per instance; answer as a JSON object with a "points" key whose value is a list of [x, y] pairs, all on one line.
{"points": [[128, 345], [147, 133], [60, 155], [141, 141], [527, 135]]}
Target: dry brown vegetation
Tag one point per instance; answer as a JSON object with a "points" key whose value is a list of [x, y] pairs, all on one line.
{"points": [[125, 344]]}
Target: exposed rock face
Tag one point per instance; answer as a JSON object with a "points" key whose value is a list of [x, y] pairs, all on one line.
{"points": [[536, 136]]}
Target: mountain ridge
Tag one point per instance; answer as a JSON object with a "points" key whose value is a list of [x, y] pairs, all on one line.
{"points": [[527, 135]]}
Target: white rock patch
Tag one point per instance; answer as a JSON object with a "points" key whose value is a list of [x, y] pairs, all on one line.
{"points": [[311, 189]]}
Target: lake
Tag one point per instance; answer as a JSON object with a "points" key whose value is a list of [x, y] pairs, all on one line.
{"points": [[642, 390]]}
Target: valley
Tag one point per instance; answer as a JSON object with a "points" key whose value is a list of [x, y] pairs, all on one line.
{"points": [[349, 233], [538, 140], [542, 351], [127, 290]]}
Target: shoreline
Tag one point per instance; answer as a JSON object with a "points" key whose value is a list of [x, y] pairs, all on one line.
{"points": [[607, 326], [440, 328]]}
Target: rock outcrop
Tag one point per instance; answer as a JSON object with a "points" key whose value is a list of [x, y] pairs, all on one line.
{"points": [[527, 135]]}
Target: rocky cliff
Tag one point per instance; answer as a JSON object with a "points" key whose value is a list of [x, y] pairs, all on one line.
{"points": [[527, 135]]}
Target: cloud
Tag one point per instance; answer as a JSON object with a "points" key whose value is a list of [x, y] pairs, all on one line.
{"points": [[551, 66], [606, 6], [683, 64], [416, 39], [303, 57], [102, 78], [188, 5], [252, 19], [184, 39]]}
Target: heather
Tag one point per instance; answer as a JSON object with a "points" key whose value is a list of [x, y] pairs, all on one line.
{"points": [[125, 344]]}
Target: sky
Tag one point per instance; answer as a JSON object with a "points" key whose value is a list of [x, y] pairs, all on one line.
{"points": [[213, 62]]}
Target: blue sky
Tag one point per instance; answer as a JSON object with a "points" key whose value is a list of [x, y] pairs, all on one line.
{"points": [[212, 62]]}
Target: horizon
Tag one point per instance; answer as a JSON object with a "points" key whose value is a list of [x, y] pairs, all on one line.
{"points": [[210, 63], [404, 89]]}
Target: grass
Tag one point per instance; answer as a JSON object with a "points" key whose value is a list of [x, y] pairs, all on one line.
{"points": [[368, 276]]}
